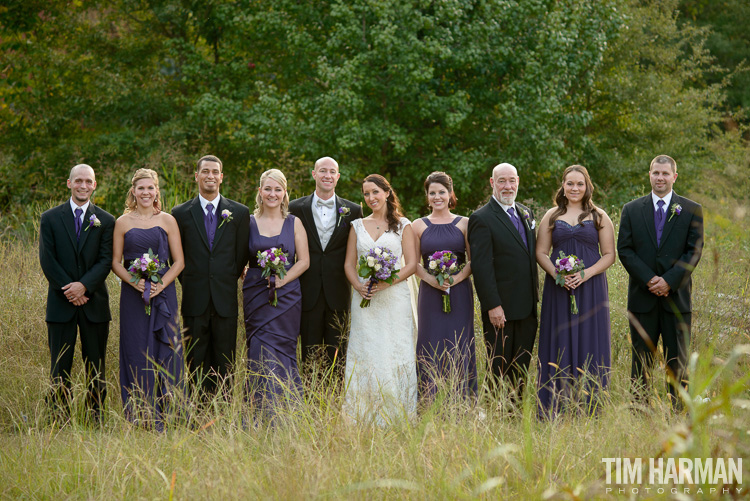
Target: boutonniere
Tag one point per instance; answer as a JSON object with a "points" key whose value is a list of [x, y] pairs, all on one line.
{"points": [[527, 217], [226, 215], [93, 221], [343, 212], [674, 209]]}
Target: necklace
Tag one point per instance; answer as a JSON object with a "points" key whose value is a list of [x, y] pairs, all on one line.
{"points": [[138, 216]]}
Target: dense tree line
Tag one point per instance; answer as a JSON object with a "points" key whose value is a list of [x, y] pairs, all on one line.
{"points": [[396, 87]]}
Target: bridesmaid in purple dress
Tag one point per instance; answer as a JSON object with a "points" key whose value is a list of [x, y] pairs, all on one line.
{"points": [[272, 331], [574, 349], [151, 351], [445, 341]]}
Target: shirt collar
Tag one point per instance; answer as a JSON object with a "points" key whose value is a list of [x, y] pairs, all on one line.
{"points": [[74, 206], [315, 199], [205, 202], [667, 198]]}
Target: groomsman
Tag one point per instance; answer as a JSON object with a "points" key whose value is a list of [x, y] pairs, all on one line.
{"points": [[326, 294], [215, 235], [75, 251], [660, 243], [502, 242]]}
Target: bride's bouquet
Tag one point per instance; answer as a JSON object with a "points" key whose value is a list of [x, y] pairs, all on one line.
{"points": [[443, 264], [146, 267], [377, 264], [272, 263], [568, 265]]}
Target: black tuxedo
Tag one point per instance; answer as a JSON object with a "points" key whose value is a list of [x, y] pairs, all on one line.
{"points": [[65, 259], [209, 285], [674, 259], [505, 274], [326, 293]]}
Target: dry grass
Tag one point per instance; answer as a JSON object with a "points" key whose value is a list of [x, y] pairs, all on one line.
{"points": [[450, 451]]}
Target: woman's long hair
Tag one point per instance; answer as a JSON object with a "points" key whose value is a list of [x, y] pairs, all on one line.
{"points": [[440, 177], [394, 212], [586, 204], [278, 176], [130, 202]]}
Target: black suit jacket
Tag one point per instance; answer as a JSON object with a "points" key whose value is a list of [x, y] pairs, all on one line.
{"points": [[65, 260], [674, 259], [326, 272], [211, 275], [504, 269]]}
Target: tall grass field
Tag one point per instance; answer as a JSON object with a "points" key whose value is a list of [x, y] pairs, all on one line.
{"points": [[451, 450]]}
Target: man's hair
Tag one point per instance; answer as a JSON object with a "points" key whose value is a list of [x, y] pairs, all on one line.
{"points": [[209, 158], [71, 175], [664, 159]]}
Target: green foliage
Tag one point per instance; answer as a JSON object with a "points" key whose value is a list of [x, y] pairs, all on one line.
{"points": [[399, 88]]}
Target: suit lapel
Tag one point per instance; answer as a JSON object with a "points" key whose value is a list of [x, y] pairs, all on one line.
{"points": [[198, 217], [336, 216], [67, 220], [84, 231], [669, 222], [530, 236], [648, 218], [223, 204], [505, 219], [309, 221]]}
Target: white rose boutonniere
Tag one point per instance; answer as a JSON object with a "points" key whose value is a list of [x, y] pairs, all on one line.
{"points": [[226, 215]]}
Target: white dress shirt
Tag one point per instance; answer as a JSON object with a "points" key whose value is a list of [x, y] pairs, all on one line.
{"points": [[205, 202], [84, 208]]}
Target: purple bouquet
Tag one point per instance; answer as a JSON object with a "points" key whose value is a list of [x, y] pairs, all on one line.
{"points": [[443, 264], [272, 262], [568, 265], [377, 264], [146, 267]]}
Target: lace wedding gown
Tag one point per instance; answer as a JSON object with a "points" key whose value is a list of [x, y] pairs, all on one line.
{"points": [[380, 374]]}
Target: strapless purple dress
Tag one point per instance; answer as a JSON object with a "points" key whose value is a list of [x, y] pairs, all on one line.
{"points": [[445, 341], [272, 331], [572, 342], [151, 351]]}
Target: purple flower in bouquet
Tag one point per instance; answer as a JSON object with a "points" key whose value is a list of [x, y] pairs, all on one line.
{"points": [[146, 267], [568, 265], [443, 264], [377, 264], [272, 263]]}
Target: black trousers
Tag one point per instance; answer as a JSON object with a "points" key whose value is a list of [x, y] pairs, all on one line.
{"points": [[61, 338], [210, 345], [323, 327], [509, 350], [674, 330]]}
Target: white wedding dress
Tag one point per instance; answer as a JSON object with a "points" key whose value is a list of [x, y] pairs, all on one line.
{"points": [[381, 373]]}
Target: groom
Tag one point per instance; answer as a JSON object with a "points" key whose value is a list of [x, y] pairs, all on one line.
{"points": [[326, 294], [503, 262], [75, 251], [660, 243], [215, 235]]}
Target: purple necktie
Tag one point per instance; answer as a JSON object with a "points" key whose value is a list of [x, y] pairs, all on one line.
{"points": [[78, 213], [519, 225], [210, 225], [659, 220]]}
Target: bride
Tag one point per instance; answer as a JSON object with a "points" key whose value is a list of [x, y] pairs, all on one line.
{"points": [[380, 371]]}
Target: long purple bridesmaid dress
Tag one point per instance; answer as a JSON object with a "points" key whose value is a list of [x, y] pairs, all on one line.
{"points": [[151, 352], [568, 343], [272, 331], [445, 341]]}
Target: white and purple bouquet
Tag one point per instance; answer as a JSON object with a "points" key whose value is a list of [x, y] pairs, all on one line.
{"points": [[146, 267], [568, 265], [272, 262], [378, 265], [443, 264]]}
